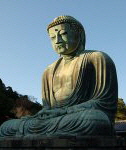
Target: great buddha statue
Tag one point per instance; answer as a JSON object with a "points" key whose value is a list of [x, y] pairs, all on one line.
{"points": [[79, 90]]}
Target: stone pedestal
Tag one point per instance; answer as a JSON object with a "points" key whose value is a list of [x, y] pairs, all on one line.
{"points": [[59, 143]]}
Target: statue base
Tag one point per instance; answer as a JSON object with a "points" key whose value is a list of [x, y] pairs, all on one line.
{"points": [[59, 143]]}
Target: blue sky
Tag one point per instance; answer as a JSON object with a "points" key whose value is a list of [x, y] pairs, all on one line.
{"points": [[25, 48]]}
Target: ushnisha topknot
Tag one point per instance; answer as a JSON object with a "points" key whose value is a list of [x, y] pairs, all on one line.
{"points": [[77, 26]]}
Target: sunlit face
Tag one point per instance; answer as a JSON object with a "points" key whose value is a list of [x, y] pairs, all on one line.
{"points": [[64, 39]]}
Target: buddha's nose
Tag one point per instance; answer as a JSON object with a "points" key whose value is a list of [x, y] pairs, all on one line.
{"points": [[58, 39]]}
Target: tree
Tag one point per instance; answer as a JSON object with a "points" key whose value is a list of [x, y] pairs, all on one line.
{"points": [[121, 110], [7, 99], [10, 100], [25, 106]]}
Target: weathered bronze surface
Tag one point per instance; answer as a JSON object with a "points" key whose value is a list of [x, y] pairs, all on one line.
{"points": [[79, 90]]}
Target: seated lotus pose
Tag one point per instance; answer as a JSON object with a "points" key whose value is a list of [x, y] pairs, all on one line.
{"points": [[79, 90]]}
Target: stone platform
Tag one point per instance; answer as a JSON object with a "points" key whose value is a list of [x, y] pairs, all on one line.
{"points": [[59, 143]]}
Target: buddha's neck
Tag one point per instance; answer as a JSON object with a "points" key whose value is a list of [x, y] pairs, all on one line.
{"points": [[70, 57], [67, 57]]}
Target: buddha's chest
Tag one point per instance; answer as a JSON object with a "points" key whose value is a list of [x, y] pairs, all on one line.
{"points": [[65, 79]]}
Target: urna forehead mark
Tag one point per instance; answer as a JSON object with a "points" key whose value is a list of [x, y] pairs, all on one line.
{"points": [[58, 28]]}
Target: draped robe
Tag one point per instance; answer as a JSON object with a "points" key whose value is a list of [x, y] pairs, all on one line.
{"points": [[91, 105]]}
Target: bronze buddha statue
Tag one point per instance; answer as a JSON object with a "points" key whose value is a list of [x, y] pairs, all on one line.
{"points": [[79, 90]]}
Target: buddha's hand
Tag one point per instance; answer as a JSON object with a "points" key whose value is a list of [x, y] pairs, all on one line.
{"points": [[50, 113]]}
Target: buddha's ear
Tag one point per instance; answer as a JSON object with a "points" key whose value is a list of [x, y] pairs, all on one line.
{"points": [[81, 36], [82, 39]]}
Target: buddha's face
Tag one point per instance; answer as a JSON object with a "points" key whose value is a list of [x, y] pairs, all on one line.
{"points": [[64, 39]]}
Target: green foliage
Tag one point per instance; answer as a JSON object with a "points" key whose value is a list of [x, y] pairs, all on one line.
{"points": [[7, 100], [10, 99], [121, 110]]}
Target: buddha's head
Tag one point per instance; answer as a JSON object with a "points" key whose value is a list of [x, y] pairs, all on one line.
{"points": [[67, 35]]}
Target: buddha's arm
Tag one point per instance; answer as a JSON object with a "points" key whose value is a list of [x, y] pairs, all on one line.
{"points": [[104, 93]]}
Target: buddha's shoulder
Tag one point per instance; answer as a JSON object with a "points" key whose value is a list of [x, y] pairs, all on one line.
{"points": [[51, 66], [96, 54]]}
